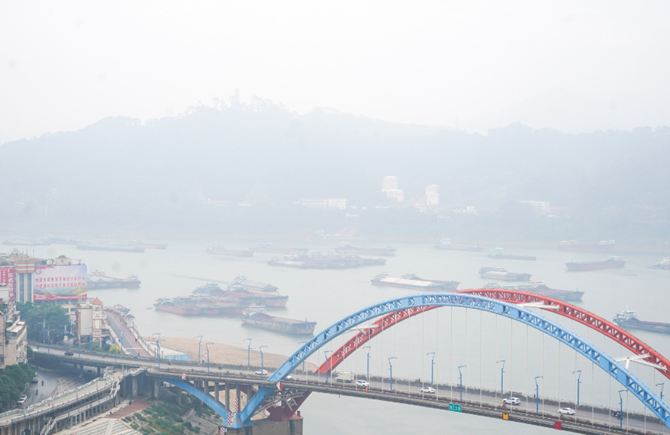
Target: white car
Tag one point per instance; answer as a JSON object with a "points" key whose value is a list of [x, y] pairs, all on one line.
{"points": [[566, 411], [362, 383], [261, 372], [429, 390], [288, 378], [512, 401]]}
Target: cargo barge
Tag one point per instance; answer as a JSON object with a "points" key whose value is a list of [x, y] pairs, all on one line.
{"points": [[327, 261], [236, 291], [104, 246], [628, 320], [540, 289], [278, 324], [446, 244], [145, 245], [610, 263], [663, 264], [254, 285], [199, 306], [100, 280], [413, 282], [498, 253], [577, 246], [269, 249], [345, 248], [23, 242], [217, 249], [500, 273]]}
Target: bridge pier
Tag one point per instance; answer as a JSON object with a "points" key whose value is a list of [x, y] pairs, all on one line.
{"points": [[133, 386], [216, 391], [154, 389], [227, 397]]}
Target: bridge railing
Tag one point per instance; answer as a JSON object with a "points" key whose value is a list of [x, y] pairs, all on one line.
{"points": [[49, 404]]}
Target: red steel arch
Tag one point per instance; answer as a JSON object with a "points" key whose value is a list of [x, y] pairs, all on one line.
{"points": [[570, 311]]}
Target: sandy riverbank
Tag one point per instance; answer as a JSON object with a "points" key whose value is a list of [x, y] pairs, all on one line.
{"points": [[224, 353]]}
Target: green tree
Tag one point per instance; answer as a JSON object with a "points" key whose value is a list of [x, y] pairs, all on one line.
{"points": [[41, 318]]}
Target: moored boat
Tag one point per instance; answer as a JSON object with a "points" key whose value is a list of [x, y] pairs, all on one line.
{"points": [[254, 285], [628, 319], [146, 245], [346, 248], [500, 273], [610, 263], [270, 249], [246, 297], [218, 249], [577, 246], [446, 244], [498, 253], [539, 288], [384, 280], [325, 261], [278, 324], [105, 246], [663, 264], [100, 280]]}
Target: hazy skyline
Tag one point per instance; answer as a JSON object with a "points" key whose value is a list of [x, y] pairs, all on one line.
{"points": [[573, 66]]}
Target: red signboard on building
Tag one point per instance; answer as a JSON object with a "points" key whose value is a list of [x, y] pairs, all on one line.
{"points": [[59, 283], [7, 278]]}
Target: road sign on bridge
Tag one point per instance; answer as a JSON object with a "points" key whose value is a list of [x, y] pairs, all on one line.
{"points": [[456, 408]]}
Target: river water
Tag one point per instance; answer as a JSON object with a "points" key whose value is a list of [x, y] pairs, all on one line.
{"points": [[458, 337]]}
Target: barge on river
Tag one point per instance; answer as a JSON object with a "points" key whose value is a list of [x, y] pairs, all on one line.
{"points": [[325, 261], [446, 244], [100, 280], [610, 263], [501, 274], [218, 249], [540, 288], [628, 320], [346, 248], [278, 324], [498, 253], [413, 282]]}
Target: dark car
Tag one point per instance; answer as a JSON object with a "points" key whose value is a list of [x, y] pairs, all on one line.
{"points": [[69, 353], [616, 414]]}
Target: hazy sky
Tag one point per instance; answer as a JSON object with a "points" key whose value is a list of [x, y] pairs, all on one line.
{"points": [[67, 64]]}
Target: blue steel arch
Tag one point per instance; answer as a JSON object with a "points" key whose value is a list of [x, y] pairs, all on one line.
{"points": [[205, 398], [511, 311]]}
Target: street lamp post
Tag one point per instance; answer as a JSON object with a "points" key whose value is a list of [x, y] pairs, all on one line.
{"points": [[48, 340], [248, 353], [325, 355], [158, 348], [367, 364], [260, 348], [432, 366], [391, 373], [537, 394], [662, 384], [199, 347], [579, 381], [207, 347], [502, 375], [621, 410], [460, 381]]}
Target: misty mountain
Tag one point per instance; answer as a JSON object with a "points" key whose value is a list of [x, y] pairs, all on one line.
{"points": [[120, 173]]}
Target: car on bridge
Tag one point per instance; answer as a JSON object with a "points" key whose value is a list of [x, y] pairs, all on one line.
{"points": [[616, 414], [261, 372], [362, 383], [512, 401], [429, 390], [566, 411], [69, 353]]}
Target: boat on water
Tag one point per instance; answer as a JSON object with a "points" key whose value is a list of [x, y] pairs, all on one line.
{"points": [[26, 242], [577, 246], [446, 244], [146, 245], [501, 274], [663, 264], [100, 280], [411, 281], [218, 249], [258, 318], [270, 249], [325, 261], [246, 297], [540, 288], [628, 319], [346, 248], [610, 263], [199, 306], [106, 246], [498, 253], [254, 285]]}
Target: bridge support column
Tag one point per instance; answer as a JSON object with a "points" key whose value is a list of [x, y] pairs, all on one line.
{"points": [[98, 371], [237, 396], [154, 389], [133, 386], [205, 387], [216, 391], [179, 397], [227, 397]]}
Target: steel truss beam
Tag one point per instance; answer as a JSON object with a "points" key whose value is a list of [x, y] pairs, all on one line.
{"points": [[505, 309]]}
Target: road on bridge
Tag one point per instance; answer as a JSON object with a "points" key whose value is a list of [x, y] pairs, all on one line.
{"points": [[127, 338]]}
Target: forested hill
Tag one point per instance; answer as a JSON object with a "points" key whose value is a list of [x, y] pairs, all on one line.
{"points": [[120, 173]]}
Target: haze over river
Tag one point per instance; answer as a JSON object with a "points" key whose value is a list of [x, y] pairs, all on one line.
{"points": [[458, 338]]}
